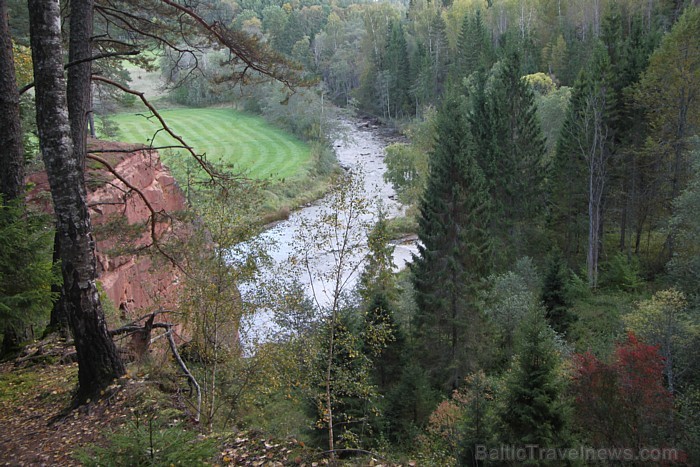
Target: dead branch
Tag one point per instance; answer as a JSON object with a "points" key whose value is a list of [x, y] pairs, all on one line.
{"points": [[150, 148], [186, 371], [100, 56], [146, 329]]}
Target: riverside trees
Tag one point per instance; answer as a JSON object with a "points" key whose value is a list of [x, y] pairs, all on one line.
{"points": [[455, 250]]}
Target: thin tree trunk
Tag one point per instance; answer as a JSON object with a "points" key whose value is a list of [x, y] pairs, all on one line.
{"points": [[98, 361], [11, 150], [79, 84]]}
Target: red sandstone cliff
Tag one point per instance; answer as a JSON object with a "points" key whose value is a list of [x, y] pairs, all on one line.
{"points": [[129, 281]]}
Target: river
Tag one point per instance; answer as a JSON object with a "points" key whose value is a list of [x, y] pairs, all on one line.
{"points": [[359, 148]]}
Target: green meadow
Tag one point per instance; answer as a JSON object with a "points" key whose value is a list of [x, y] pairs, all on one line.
{"points": [[226, 136]]}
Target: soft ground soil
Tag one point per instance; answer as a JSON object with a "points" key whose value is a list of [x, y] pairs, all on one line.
{"points": [[30, 398]]}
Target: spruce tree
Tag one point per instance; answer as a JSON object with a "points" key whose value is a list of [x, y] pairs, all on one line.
{"points": [[474, 49], [397, 72], [409, 403], [454, 251], [511, 150], [567, 187], [554, 298], [439, 56], [532, 410], [382, 338]]}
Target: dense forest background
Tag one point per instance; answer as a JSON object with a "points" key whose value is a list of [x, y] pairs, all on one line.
{"points": [[551, 171]]}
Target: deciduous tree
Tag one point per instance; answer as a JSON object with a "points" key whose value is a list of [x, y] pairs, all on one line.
{"points": [[98, 361], [624, 402]]}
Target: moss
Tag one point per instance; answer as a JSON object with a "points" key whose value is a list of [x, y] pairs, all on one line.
{"points": [[14, 384]]}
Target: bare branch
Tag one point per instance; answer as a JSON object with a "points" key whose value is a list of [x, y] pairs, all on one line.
{"points": [[169, 327], [122, 151], [187, 373], [100, 56]]}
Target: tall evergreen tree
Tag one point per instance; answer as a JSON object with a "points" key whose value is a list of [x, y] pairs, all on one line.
{"points": [[422, 90], [474, 49], [670, 90], [554, 298], [454, 251], [382, 339], [629, 47], [438, 51], [511, 153], [11, 148], [397, 73], [532, 411]]}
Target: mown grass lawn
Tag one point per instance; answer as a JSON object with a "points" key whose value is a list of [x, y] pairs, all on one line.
{"points": [[226, 136]]}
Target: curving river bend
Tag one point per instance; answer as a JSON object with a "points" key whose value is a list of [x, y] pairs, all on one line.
{"points": [[360, 146]]}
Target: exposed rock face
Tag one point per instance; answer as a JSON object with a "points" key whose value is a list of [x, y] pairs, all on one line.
{"points": [[130, 281]]}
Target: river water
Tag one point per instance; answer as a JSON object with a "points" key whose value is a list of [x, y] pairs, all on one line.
{"points": [[359, 148]]}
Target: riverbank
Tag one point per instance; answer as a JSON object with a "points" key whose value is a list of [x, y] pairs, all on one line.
{"points": [[359, 149]]}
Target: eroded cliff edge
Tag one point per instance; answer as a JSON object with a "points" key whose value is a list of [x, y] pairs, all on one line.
{"points": [[130, 281]]}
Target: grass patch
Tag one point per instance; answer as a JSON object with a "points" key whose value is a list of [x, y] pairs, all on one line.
{"points": [[16, 384], [226, 136], [295, 172]]}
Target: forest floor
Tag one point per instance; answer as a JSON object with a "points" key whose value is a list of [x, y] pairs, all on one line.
{"points": [[31, 402], [36, 388]]}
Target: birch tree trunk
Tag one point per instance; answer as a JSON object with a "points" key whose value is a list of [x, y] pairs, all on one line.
{"points": [[79, 83], [79, 99], [98, 361]]}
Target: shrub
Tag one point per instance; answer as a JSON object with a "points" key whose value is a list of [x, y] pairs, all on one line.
{"points": [[623, 273], [141, 443]]}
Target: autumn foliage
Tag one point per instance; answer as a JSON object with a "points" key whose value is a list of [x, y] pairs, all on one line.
{"points": [[625, 402]]}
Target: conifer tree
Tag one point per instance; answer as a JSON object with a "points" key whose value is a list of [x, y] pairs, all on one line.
{"points": [[532, 410], [383, 341], [454, 251], [511, 151], [474, 49], [554, 299], [439, 56], [397, 72], [421, 89], [409, 403]]}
